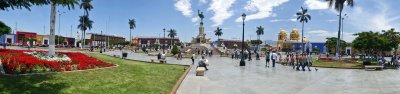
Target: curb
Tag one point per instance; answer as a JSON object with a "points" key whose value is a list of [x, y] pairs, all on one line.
{"points": [[179, 82]]}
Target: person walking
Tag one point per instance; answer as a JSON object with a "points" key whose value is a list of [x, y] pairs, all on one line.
{"points": [[193, 55], [309, 61], [274, 58], [267, 57], [292, 60], [249, 55]]}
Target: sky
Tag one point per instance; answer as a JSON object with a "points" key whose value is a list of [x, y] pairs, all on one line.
{"points": [[152, 16]]}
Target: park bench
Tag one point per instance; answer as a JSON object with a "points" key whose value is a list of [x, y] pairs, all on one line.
{"points": [[200, 71], [374, 67]]}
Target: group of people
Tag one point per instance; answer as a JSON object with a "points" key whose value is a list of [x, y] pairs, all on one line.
{"points": [[204, 52], [298, 61], [247, 55]]}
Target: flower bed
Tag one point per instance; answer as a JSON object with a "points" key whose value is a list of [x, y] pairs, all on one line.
{"points": [[24, 61]]}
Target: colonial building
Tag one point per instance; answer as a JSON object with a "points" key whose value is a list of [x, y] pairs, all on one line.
{"points": [[297, 44], [22, 36], [148, 41], [8, 38], [95, 39]]}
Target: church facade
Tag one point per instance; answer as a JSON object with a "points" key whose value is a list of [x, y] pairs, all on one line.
{"points": [[294, 43]]}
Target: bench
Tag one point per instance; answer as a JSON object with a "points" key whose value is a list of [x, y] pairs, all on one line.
{"points": [[163, 61], [375, 67], [200, 71]]}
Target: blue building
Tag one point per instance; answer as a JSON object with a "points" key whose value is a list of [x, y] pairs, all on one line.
{"points": [[8, 38], [309, 47]]}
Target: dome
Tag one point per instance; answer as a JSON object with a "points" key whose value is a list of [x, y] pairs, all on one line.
{"points": [[282, 35], [294, 35]]}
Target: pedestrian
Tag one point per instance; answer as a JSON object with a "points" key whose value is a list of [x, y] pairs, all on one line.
{"points": [[309, 61], [303, 61], [249, 55], [292, 60], [274, 57], [267, 56], [193, 55]]}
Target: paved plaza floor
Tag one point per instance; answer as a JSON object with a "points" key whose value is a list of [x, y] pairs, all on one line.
{"points": [[227, 77]]}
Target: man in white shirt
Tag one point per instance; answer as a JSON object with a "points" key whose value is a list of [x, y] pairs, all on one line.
{"points": [[274, 56]]}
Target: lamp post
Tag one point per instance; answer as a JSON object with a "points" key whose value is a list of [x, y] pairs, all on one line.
{"points": [[164, 42], [59, 27], [242, 63]]}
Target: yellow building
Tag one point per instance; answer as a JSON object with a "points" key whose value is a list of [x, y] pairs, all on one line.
{"points": [[293, 38], [39, 39]]}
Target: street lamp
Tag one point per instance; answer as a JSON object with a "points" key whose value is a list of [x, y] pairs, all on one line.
{"points": [[59, 27], [242, 63], [164, 42]]}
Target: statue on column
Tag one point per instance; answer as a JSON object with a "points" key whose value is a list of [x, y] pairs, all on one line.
{"points": [[201, 16]]}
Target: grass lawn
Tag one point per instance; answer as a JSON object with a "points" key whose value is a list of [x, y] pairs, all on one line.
{"points": [[131, 77], [340, 64]]}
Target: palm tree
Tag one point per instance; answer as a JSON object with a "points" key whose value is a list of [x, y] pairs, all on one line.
{"points": [[303, 16], [260, 31], [172, 34], [84, 24], [68, 3], [19, 4], [132, 25], [218, 33], [86, 6], [338, 5]]}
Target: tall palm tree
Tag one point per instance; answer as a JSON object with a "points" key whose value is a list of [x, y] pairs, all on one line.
{"points": [[338, 5], [218, 33], [260, 31], [86, 6], [84, 24], [132, 25], [303, 17], [172, 34], [65, 3]]}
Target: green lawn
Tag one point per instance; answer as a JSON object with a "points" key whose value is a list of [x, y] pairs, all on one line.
{"points": [[340, 64], [131, 77]]}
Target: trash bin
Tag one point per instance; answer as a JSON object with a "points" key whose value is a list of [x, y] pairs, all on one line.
{"points": [[124, 55]]}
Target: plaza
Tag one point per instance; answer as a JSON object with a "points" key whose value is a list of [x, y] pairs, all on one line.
{"points": [[227, 77]]}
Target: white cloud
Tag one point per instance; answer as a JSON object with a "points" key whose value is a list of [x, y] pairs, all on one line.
{"points": [[202, 1], [316, 4], [195, 19], [371, 19], [283, 20], [331, 20], [321, 35], [221, 11], [262, 7], [184, 6]]}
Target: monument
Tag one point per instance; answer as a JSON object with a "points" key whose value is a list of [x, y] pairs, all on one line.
{"points": [[201, 37]]}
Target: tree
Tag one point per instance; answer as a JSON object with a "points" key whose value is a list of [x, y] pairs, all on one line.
{"points": [[132, 25], [331, 43], [175, 50], [370, 42], [303, 16], [338, 6], [393, 39], [172, 34], [84, 24], [218, 33], [256, 42], [4, 29], [260, 31], [155, 46], [19, 4]]}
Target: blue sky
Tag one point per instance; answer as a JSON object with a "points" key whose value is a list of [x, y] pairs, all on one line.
{"points": [[154, 15]]}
